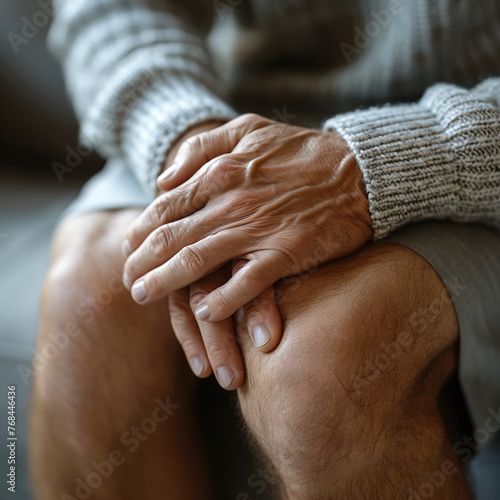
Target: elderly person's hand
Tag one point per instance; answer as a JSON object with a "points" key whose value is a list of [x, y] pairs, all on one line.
{"points": [[212, 347], [282, 198]]}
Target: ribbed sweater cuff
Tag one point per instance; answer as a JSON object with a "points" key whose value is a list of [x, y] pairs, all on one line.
{"points": [[162, 115], [407, 165], [152, 123]]}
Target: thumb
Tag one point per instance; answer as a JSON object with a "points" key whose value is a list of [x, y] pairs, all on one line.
{"points": [[199, 149]]}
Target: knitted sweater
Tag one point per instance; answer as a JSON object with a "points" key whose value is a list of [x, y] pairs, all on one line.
{"points": [[419, 75]]}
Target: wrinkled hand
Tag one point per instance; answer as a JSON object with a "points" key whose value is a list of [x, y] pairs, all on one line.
{"points": [[284, 198], [212, 347]]}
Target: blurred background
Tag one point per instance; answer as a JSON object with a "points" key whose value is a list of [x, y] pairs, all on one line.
{"points": [[37, 127], [37, 131]]}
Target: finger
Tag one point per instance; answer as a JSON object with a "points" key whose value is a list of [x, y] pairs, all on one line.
{"points": [[187, 332], [199, 149], [219, 339], [173, 176], [164, 242], [157, 214], [187, 266], [247, 284], [264, 321], [213, 179], [262, 316], [194, 153]]}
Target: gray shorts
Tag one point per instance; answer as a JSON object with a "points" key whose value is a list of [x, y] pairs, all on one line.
{"points": [[467, 257]]}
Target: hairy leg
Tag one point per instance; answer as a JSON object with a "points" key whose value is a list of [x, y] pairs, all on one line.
{"points": [[112, 397], [347, 405]]}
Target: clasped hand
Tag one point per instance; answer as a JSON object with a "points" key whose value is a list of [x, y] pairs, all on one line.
{"points": [[244, 205]]}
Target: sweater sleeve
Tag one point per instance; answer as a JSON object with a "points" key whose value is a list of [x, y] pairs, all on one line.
{"points": [[139, 75], [435, 159]]}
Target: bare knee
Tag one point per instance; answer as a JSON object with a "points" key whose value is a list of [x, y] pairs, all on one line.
{"points": [[351, 368], [97, 356], [111, 388]]}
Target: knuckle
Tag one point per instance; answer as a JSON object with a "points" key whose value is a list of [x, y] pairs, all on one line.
{"points": [[289, 257], [217, 351], [252, 309], [253, 118], [158, 211], [222, 170], [251, 281], [224, 299], [133, 269], [190, 259], [154, 283], [224, 164], [189, 344], [304, 239], [178, 315], [160, 241], [238, 201]]}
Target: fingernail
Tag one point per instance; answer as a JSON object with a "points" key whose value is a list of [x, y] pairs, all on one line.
{"points": [[202, 312], [170, 172], [126, 248], [260, 335], [139, 293], [225, 376], [196, 365]]}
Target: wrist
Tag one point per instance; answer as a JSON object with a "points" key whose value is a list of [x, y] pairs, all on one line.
{"points": [[348, 167]]}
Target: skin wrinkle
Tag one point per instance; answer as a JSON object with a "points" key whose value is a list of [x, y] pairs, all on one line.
{"points": [[269, 159]]}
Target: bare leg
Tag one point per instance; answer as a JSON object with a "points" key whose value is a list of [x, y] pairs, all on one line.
{"points": [[112, 410], [347, 405]]}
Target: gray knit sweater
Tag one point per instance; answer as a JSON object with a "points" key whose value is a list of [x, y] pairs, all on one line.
{"points": [[420, 75]]}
